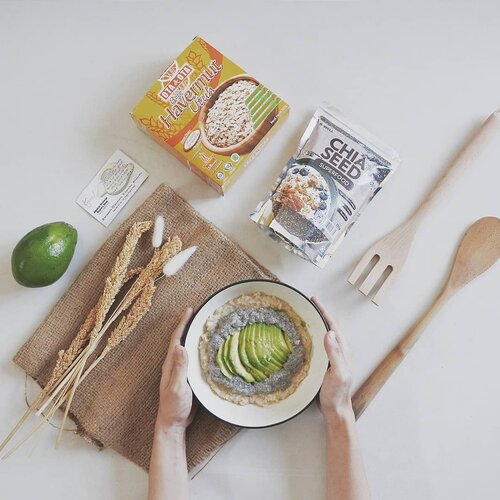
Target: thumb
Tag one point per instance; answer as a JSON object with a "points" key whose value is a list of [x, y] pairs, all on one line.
{"points": [[179, 368], [332, 347]]}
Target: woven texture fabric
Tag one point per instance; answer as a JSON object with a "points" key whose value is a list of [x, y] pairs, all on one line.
{"points": [[116, 404]]}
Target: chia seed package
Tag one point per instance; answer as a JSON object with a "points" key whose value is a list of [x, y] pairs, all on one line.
{"points": [[337, 170]]}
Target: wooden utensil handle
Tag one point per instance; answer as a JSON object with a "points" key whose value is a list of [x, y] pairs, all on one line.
{"points": [[467, 156], [376, 380], [372, 385]]}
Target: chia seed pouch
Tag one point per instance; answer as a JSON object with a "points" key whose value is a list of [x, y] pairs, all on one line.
{"points": [[336, 171]]}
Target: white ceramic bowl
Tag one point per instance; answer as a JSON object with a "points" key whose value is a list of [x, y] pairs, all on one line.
{"points": [[252, 415]]}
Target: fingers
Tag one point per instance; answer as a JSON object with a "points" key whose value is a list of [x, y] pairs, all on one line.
{"points": [[179, 331], [178, 375], [332, 348], [332, 325], [346, 352], [176, 337], [340, 365]]}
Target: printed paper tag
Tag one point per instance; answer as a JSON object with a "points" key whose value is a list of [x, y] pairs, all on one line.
{"points": [[112, 187]]}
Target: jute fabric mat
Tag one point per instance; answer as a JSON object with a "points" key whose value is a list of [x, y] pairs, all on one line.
{"points": [[116, 404]]}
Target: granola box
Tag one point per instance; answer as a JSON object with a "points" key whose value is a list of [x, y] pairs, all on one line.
{"points": [[210, 114]]}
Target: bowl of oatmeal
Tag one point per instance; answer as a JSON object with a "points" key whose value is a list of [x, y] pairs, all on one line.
{"points": [[230, 121], [256, 353]]}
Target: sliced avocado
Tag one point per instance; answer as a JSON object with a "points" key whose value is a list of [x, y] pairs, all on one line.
{"points": [[264, 349], [272, 345], [225, 356], [284, 342], [278, 351], [254, 352], [279, 340], [251, 349], [234, 357], [221, 363], [242, 351]]}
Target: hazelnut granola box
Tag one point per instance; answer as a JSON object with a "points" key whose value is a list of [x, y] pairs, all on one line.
{"points": [[336, 171], [210, 114]]}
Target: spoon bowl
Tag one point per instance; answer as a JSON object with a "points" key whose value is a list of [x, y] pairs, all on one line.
{"points": [[478, 251]]}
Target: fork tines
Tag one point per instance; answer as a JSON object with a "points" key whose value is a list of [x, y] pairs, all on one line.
{"points": [[380, 265], [374, 275]]}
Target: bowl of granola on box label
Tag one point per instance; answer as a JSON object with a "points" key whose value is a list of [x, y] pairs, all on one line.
{"points": [[237, 116]]}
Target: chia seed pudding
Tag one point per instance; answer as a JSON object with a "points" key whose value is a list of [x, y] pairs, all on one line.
{"points": [[240, 318], [233, 318]]}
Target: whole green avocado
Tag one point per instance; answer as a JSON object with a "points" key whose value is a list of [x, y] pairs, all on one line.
{"points": [[42, 256]]}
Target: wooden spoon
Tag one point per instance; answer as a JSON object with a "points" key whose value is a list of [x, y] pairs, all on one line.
{"points": [[477, 252]]}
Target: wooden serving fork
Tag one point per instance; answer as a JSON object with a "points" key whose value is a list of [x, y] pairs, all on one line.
{"points": [[478, 251], [383, 260]]}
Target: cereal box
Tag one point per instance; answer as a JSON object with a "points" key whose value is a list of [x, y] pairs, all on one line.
{"points": [[210, 114]]}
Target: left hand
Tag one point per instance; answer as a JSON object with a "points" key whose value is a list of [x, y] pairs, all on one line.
{"points": [[176, 398]]}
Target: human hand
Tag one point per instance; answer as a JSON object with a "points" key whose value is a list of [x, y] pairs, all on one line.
{"points": [[335, 394], [176, 398]]}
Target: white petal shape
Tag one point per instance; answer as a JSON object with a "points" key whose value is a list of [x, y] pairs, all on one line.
{"points": [[159, 227], [177, 261]]}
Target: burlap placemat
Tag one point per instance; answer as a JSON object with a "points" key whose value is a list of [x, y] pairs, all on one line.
{"points": [[116, 405]]}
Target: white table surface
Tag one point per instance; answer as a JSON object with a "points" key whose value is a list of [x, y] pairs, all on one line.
{"points": [[422, 76]]}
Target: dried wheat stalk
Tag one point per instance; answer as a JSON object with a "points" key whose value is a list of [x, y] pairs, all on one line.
{"points": [[67, 357], [140, 307], [154, 267], [113, 286], [115, 281], [93, 322], [69, 369]]}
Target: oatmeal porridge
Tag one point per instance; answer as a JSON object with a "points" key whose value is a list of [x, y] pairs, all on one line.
{"points": [[255, 349]]}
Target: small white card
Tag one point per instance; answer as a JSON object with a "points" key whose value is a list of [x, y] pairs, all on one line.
{"points": [[111, 188]]}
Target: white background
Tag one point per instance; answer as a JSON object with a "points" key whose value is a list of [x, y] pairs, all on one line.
{"points": [[421, 75]]}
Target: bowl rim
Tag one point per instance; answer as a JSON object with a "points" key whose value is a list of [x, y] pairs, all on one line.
{"points": [[257, 280]]}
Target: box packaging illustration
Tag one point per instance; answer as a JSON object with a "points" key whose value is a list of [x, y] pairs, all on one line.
{"points": [[210, 114]]}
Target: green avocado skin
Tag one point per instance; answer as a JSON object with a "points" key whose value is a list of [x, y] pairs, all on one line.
{"points": [[42, 256]]}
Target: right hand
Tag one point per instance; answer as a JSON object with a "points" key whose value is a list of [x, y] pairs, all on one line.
{"points": [[335, 394]]}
